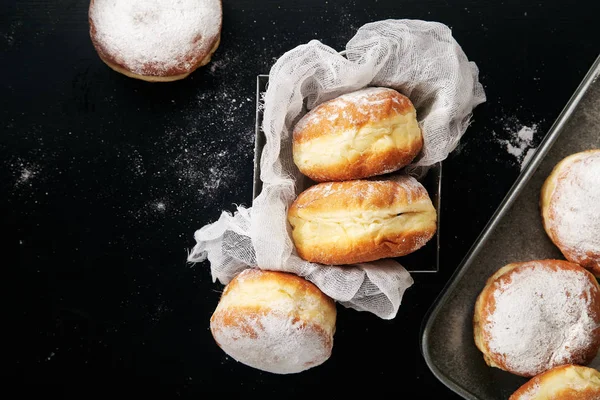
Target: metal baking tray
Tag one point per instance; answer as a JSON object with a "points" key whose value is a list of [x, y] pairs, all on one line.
{"points": [[424, 260], [514, 233]]}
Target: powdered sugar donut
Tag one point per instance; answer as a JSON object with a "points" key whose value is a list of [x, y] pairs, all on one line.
{"points": [[362, 220], [155, 40], [570, 205], [536, 315], [274, 321], [365, 133], [567, 382]]}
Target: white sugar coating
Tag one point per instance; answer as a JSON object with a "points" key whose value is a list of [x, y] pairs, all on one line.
{"points": [[531, 393], [413, 188], [323, 190], [575, 207], [542, 318], [370, 188], [363, 100], [362, 95], [281, 344], [156, 34]]}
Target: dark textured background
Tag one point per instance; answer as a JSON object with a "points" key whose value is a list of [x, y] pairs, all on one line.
{"points": [[104, 180]]}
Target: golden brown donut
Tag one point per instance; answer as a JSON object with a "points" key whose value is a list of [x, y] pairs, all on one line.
{"points": [[567, 382], [361, 134], [156, 41], [363, 220], [274, 321], [535, 315], [570, 205]]}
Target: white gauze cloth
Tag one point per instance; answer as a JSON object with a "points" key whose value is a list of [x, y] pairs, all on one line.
{"points": [[419, 59]]}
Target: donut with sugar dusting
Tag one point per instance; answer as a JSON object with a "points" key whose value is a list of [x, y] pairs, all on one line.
{"points": [[570, 207], [350, 222], [536, 315], [274, 321], [567, 382], [155, 40], [357, 135]]}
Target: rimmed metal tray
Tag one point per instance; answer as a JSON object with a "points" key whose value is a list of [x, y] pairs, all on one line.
{"points": [[426, 259], [514, 233]]}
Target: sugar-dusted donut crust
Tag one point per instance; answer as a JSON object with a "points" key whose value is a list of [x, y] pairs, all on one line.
{"points": [[152, 69], [566, 382], [363, 220], [358, 135], [274, 321]]}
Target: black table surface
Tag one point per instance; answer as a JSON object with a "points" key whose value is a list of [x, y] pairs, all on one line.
{"points": [[104, 180]]}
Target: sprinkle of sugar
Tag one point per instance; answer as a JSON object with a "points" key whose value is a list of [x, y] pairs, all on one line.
{"points": [[528, 157], [26, 172], [526, 133], [156, 313], [542, 318], [368, 188], [154, 36], [518, 140], [575, 207], [360, 101], [178, 164], [199, 167]]}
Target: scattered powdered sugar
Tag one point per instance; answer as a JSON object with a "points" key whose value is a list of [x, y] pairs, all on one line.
{"points": [[12, 33], [273, 342], [528, 157], [518, 139], [207, 179], [156, 34], [25, 172], [542, 318], [160, 206], [575, 206], [200, 172]]}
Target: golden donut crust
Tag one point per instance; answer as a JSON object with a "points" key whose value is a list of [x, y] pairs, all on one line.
{"points": [[590, 260], [358, 221], [566, 382], [362, 134], [485, 306]]}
